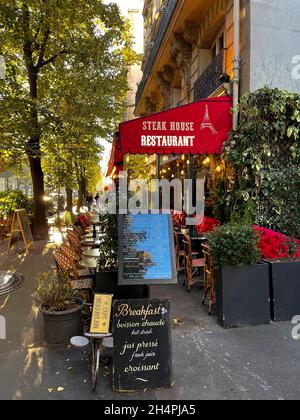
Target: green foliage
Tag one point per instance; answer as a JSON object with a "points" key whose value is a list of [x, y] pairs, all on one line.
{"points": [[108, 260], [68, 218], [65, 86], [234, 245], [55, 293], [14, 200], [264, 155]]}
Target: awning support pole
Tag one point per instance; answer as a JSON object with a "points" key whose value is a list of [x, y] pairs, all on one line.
{"points": [[236, 62]]}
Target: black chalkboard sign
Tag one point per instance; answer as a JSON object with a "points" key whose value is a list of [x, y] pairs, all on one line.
{"points": [[146, 250], [20, 226], [142, 345]]}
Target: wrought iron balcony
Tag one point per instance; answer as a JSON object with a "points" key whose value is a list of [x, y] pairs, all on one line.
{"points": [[209, 81], [161, 32]]}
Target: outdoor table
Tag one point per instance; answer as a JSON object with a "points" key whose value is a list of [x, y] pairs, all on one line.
{"points": [[92, 253], [92, 243], [89, 263], [88, 236]]}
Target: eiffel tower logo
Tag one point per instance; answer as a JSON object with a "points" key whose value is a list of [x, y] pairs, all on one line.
{"points": [[207, 123]]}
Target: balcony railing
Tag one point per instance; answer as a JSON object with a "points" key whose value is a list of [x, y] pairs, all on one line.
{"points": [[209, 81], [170, 9]]}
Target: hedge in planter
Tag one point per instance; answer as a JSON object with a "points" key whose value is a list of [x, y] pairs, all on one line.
{"points": [[242, 282]]}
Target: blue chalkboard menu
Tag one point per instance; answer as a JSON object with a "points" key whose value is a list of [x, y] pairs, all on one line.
{"points": [[146, 250]]}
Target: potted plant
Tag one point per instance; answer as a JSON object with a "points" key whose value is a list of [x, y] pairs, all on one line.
{"points": [[242, 282], [60, 307]]}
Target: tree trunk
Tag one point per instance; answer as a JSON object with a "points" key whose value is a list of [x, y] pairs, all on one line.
{"points": [[40, 225], [69, 193], [33, 148], [81, 194]]}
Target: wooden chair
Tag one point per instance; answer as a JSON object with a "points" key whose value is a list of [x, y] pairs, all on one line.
{"points": [[78, 232], [78, 281], [5, 228], [192, 264], [180, 253], [74, 243], [72, 255], [209, 279]]}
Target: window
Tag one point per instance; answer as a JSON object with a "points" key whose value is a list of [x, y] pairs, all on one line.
{"points": [[218, 45]]}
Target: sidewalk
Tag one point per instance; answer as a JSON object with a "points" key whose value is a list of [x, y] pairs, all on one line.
{"points": [[209, 362]]}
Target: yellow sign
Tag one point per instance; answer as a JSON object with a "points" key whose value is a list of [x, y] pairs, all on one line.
{"points": [[101, 314]]}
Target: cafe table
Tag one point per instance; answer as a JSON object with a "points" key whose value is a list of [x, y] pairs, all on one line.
{"points": [[88, 236], [89, 263], [92, 253], [92, 243]]}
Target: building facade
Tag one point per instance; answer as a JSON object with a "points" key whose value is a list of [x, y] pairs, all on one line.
{"points": [[189, 49], [133, 11]]}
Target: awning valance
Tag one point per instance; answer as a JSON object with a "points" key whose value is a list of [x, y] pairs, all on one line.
{"points": [[116, 161], [198, 128]]}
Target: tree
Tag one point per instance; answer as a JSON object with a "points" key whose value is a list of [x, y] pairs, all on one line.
{"points": [[52, 48]]}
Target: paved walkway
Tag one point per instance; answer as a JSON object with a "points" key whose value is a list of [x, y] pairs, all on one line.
{"points": [[209, 362]]}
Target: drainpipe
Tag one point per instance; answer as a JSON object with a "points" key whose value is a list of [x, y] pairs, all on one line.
{"points": [[236, 62]]}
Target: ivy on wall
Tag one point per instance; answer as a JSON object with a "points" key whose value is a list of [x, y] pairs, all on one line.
{"points": [[264, 155]]}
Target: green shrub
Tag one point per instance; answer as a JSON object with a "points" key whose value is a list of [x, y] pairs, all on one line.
{"points": [[233, 245], [14, 200]]}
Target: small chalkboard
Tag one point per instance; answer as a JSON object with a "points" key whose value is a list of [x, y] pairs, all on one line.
{"points": [[20, 227], [146, 250], [142, 345]]}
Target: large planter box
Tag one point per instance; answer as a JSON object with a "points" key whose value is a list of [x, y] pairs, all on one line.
{"points": [[285, 289], [107, 282], [243, 296]]}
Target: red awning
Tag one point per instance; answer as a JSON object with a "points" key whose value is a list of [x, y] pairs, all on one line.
{"points": [[198, 128], [116, 161]]}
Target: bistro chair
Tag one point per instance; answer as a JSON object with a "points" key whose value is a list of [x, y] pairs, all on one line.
{"points": [[74, 243], [71, 254], [180, 253], [209, 279], [192, 264], [5, 228], [78, 280], [78, 231]]}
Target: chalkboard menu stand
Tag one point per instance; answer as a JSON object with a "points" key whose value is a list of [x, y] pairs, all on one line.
{"points": [[20, 226], [146, 250], [142, 345]]}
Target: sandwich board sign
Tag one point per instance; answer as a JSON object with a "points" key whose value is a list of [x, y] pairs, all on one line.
{"points": [[20, 227], [142, 345]]}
